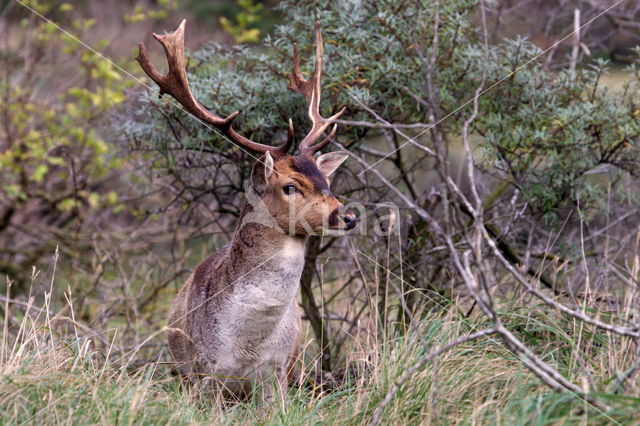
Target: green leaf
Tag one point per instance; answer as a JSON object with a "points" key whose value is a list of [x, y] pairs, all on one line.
{"points": [[39, 173]]}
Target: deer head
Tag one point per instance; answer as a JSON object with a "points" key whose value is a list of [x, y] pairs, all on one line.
{"points": [[292, 189]]}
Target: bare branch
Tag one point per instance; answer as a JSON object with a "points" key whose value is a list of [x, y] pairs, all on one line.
{"points": [[397, 385]]}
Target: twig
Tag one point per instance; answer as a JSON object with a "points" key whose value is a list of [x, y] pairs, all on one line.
{"points": [[386, 124], [383, 124], [576, 39], [418, 365], [623, 331]]}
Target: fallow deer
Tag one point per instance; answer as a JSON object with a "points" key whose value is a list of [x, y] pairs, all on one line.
{"points": [[236, 318]]}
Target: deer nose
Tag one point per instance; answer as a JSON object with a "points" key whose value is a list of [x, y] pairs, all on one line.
{"points": [[350, 220]]}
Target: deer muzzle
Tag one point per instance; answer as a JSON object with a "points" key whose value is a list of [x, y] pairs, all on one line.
{"points": [[342, 218]]}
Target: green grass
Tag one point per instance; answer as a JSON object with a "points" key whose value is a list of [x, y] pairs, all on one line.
{"points": [[53, 377]]}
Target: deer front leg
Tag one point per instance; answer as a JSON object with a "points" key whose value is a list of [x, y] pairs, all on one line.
{"points": [[273, 387]]}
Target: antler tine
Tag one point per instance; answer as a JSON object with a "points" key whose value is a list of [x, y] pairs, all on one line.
{"points": [[292, 134], [176, 84], [311, 89]]}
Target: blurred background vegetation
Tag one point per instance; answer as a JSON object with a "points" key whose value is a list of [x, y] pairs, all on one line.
{"points": [[129, 192]]}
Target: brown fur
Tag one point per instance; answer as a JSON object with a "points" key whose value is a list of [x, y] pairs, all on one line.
{"points": [[236, 319]]}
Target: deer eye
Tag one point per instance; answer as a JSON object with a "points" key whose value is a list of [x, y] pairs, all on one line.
{"points": [[289, 189]]}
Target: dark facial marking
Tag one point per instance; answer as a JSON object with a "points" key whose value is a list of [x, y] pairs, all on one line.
{"points": [[307, 167], [301, 183], [333, 218]]}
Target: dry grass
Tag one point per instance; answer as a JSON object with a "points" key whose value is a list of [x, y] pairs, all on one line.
{"points": [[55, 370]]}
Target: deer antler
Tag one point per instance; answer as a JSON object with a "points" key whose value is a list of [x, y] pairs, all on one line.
{"points": [[175, 83], [311, 90]]}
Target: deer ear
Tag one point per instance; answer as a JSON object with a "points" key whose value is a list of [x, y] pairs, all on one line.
{"points": [[328, 163], [262, 171]]}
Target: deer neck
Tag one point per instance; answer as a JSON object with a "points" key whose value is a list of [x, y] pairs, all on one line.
{"points": [[265, 246], [265, 258], [265, 266]]}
